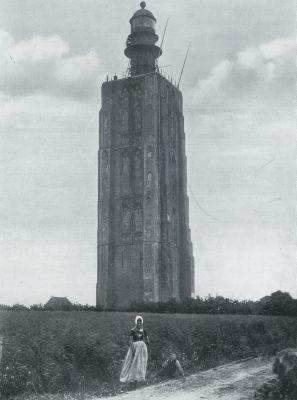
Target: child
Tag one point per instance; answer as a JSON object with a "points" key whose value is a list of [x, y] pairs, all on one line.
{"points": [[170, 368]]}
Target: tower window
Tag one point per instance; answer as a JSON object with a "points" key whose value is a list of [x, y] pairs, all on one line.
{"points": [[143, 22], [138, 219]]}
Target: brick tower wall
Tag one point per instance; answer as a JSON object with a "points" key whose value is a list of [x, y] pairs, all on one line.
{"points": [[144, 253]]}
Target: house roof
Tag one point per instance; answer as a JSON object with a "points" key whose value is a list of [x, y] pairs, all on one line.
{"points": [[58, 302]]}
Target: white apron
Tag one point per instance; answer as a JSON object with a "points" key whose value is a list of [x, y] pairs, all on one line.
{"points": [[134, 368]]}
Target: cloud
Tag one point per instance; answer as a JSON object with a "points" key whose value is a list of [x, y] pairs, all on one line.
{"points": [[254, 77], [44, 65]]}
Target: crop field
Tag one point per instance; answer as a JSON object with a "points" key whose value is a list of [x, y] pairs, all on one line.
{"points": [[58, 352]]}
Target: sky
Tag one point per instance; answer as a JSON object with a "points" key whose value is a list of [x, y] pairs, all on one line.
{"points": [[240, 121]]}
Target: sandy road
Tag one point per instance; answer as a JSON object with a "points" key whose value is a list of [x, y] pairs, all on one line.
{"points": [[236, 381]]}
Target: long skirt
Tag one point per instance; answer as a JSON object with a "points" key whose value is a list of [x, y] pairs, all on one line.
{"points": [[134, 368]]}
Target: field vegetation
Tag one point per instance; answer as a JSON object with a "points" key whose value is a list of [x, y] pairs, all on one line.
{"points": [[81, 351]]}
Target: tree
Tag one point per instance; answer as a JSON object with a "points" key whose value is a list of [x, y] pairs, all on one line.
{"points": [[278, 303]]}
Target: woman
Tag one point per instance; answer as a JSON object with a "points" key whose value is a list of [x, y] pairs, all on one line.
{"points": [[134, 367]]}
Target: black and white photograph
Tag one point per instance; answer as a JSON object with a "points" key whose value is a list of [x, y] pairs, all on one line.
{"points": [[148, 200]]}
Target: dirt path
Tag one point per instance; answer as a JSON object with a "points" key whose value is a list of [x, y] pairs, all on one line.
{"points": [[236, 381]]}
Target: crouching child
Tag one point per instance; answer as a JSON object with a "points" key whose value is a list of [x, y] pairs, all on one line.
{"points": [[171, 368]]}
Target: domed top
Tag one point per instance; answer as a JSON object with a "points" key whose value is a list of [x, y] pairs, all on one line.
{"points": [[143, 12]]}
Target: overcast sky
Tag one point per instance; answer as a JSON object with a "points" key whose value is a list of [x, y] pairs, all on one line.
{"points": [[239, 107]]}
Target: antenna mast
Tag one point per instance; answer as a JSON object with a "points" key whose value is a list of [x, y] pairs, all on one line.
{"points": [[128, 70], [161, 45], [184, 64]]}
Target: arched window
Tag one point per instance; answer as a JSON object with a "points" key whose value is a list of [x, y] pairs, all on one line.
{"points": [[124, 98], [149, 152], [149, 181], [137, 118], [106, 123], [138, 219], [123, 119], [137, 94], [125, 162], [126, 219], [138, 161]]}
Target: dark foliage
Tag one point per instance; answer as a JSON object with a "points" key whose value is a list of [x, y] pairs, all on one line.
{"points": [[14, 307], [42, 307], [285, 386], [278, 303], [271, 390]]}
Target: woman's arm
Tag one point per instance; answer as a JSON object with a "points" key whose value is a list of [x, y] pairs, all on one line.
{"points": [[146, 338], [131, 345], [179, 368]]}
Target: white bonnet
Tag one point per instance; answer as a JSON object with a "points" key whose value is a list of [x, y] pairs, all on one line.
{"points": [[137, 318]]}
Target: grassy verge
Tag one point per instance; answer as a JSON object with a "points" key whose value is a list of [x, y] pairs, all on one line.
{"points": [[50, 355]]}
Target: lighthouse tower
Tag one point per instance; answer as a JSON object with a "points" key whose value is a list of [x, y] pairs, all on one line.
{"points": [[141, 47], [144, 244]]}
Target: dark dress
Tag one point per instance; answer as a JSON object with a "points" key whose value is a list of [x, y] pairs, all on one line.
{"points": [[137, 336]]}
